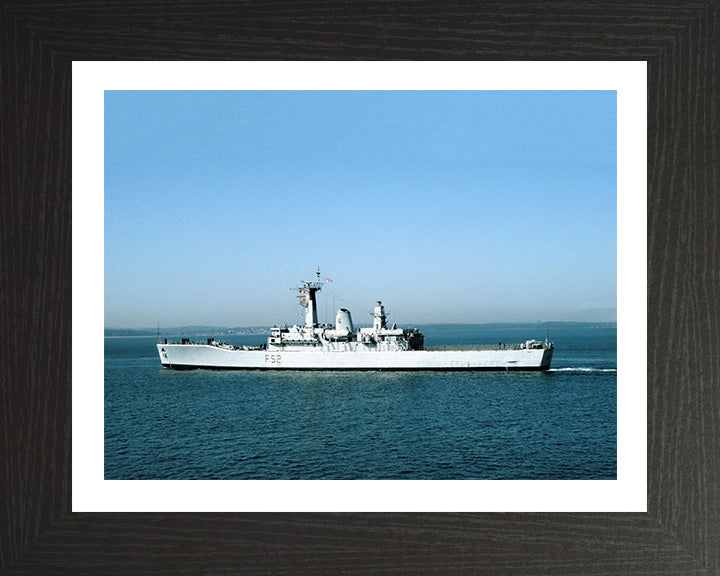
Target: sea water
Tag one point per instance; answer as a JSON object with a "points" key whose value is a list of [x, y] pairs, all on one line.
{"points": [[205, 424]]}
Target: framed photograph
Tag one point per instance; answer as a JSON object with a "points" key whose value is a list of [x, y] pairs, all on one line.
{"points": [[65, 516], [515, 180]]}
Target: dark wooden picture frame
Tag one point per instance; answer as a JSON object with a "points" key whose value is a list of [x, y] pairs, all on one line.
{"points": [[680, 533]]}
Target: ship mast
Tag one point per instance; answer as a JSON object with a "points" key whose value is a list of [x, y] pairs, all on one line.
{"points": [[379, 318], [547, 335], [307, 292]]}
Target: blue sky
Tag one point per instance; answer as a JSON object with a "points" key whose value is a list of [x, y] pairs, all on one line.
{"points": [[448, 206]]}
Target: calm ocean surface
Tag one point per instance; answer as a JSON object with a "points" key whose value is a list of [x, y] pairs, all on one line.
{"points": [[200, 424]]}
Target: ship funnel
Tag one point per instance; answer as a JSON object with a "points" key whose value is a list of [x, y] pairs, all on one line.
{"points": [[343, 320]]}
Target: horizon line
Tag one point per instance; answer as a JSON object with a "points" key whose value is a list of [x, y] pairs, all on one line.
{"points": [[155, 328]]}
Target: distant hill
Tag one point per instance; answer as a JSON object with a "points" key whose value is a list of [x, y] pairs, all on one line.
{"points": [[187, 331], [216, 331]]}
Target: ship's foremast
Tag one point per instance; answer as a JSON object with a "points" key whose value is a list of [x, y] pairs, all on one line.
{"points": [[306, 293]]}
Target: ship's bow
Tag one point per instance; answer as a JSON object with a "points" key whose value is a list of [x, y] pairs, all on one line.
{"points": [[163, 356], [546, 358]]}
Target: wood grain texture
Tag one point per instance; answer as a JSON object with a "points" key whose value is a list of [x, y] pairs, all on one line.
{"points": [[681, 532]]}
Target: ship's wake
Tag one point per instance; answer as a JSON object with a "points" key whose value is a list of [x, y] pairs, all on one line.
{"points": [[582, 370]]}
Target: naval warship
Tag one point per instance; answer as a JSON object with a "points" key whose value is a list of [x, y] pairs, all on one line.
{"points": [[342, 347]]}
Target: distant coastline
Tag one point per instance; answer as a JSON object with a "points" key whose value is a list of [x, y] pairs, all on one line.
{"points": [[196, 331], [186, 331]]}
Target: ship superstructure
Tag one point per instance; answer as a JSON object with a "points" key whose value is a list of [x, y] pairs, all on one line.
{"points": [[342, 347]]}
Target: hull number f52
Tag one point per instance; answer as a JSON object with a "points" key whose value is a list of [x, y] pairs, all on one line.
{"points": [[272, 358]]}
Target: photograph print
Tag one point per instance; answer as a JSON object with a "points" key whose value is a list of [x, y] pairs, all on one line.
{"points": [[339, 285]]}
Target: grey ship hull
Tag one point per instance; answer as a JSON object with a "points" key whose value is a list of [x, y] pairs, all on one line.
{"points": [[209, 356]]}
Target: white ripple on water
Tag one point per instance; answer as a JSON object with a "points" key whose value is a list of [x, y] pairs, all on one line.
{"points": [[582, 370]]}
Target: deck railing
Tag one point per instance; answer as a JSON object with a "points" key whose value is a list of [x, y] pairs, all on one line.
{"points": [[475, 347]]}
